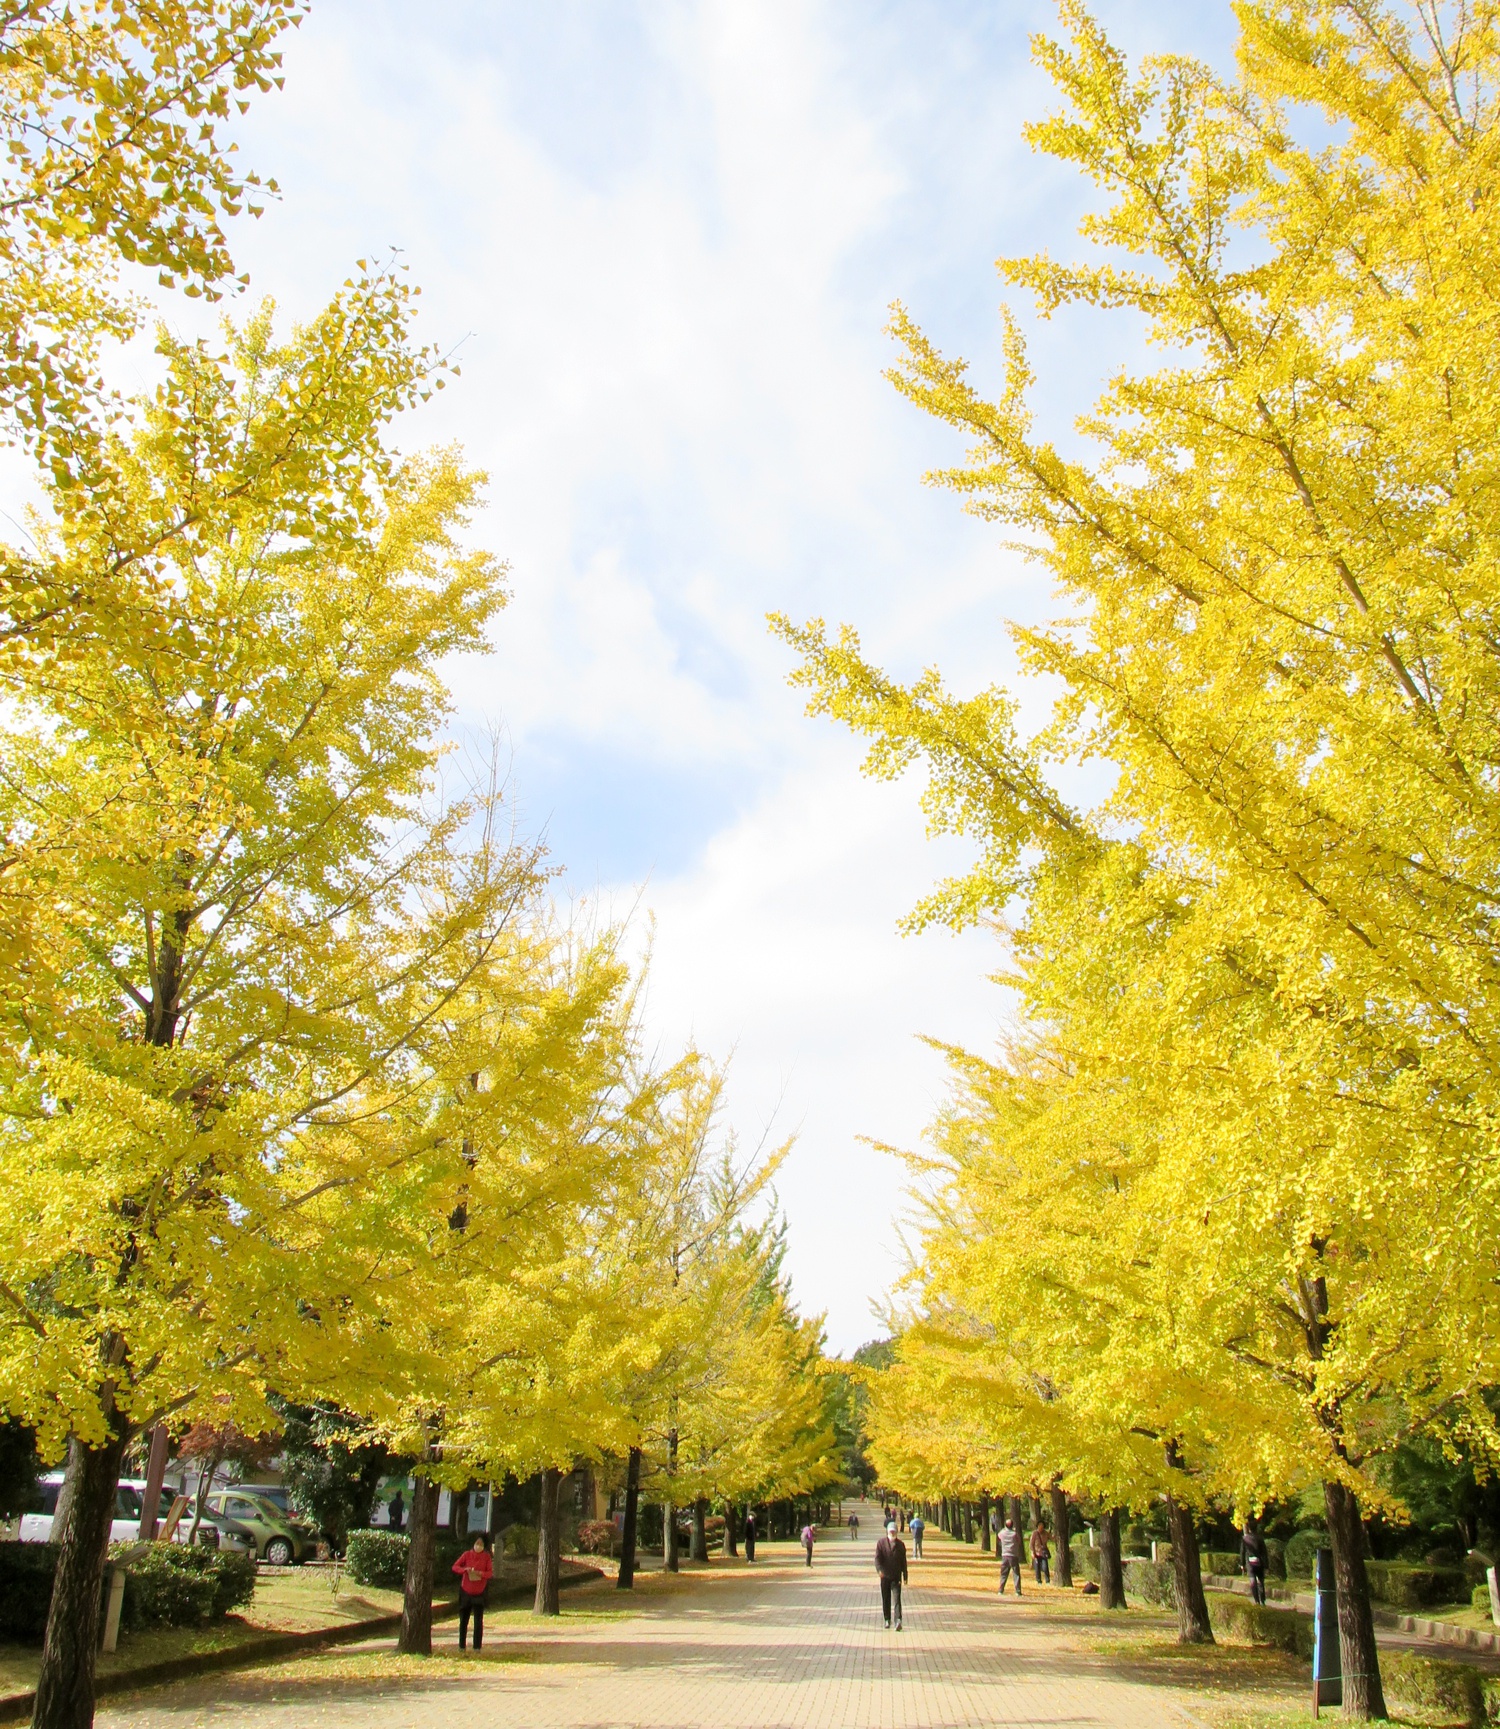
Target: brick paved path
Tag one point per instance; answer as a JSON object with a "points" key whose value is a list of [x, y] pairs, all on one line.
{"points": [[772, 1647]]}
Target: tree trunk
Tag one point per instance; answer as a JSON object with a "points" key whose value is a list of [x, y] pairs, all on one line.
{"points": [[699, 1548], [1364, 1697], [1192, 1610], [984, 1524], [548, 1545], [65, 1687], [1061, 1533], [625, 1580], [669, 1548], [968, 1521], [156, 1470], [1111, 1567], [731, 1531], [416, 1600]]}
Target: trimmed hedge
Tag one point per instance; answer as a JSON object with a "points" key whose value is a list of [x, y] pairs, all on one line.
{"points": [[1301, 1551], [1405, 1587], [1457, 1690], [1224, 1562], [168, 1586], [377, 1558], [174, 1586], [1085, 1561], [520, 1542], [26, 1571], [1152, 1582], [1237, 1617]]}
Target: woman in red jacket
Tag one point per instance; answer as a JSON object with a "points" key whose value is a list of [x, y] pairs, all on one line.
{"points": [[474, 1568]]}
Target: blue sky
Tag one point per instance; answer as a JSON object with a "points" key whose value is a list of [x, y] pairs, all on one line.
{"points": [[663, 238]]}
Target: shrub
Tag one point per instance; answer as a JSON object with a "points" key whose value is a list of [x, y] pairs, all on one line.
{"points": [[597, 1537], [1476, 1563], [520, 1542], [1404, 1587], [1275, 1558], [1085, 1561], [1151, 1581], [26, 1571], [1239, 1618], [1300, 1551], [170, 1585], [1481, 1599], [1431, 1684], [1224, 1562], [377, 1558]]}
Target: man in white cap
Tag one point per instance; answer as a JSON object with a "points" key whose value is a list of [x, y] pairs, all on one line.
{"points": [[890, 1564]]}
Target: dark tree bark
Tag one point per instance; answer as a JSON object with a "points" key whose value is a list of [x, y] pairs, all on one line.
{"points": [[1111, 1567], [1192, 1608], [156, 1470], [416, 1600], [731, 1530], [984, 1524], [698, 1550], [669, 1545], [1061, 1534], [65, 1687], [968, 1521], [548, 1545], [625, 1580], [1364, 1696]]}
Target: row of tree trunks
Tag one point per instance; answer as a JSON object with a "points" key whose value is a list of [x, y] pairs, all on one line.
{"points": [[731, 1529], [698, 1548], [984, 1524]]}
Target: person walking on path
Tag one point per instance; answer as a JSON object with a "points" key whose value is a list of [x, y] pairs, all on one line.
{"points": [[854, 1527], [1041, 1553], [474, 1568], [1253, 1552], [809, 1536], [890, 1564], [1010, 1555], [749, 1534], [397, 1511], [918, 1526]]}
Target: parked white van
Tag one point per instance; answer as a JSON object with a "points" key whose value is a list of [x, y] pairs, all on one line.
{"points": [[124, 1528]]}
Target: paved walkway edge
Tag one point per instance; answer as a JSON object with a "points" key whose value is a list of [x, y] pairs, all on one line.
{"points": [[17, 1707]]}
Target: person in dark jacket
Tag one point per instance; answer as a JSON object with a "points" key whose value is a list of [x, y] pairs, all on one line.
{"points": [[749, 1535], [1253, 1552], [890, 1564]]}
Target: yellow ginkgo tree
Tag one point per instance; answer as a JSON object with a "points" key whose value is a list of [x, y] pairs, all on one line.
{"points": [[1277, 555]]}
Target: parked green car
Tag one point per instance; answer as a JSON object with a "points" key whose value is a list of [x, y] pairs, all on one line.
{"points": [[262, 1525]]}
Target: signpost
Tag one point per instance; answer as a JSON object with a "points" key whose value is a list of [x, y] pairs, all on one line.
{"points": [[1328, 1674]]}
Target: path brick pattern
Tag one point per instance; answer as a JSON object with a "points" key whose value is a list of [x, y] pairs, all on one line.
{"points": [[776, 1647]]}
